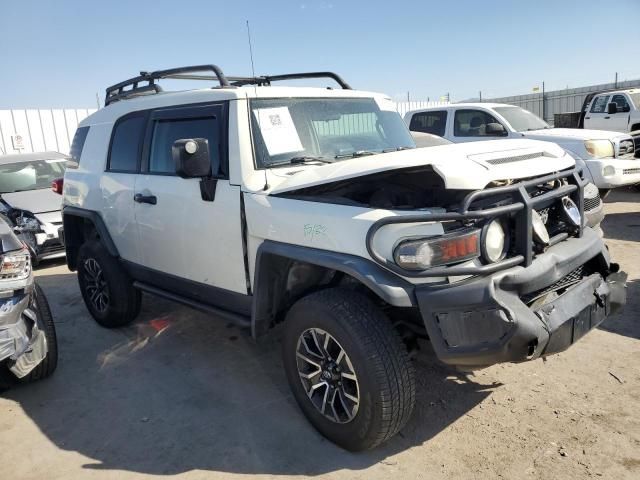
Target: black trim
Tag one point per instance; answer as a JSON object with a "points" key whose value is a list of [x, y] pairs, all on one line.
{"points": [[245, 250], [389, 287], [239, 320], [265, 80], [193, 291], [74, 234]]}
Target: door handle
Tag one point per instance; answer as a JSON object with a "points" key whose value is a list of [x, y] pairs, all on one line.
{"points": [[607, 118], [587, 118], [150, 199]]}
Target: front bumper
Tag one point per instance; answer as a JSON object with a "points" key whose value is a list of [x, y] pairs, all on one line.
{"points": [[627, 172], [487, 320], [22, 343]]}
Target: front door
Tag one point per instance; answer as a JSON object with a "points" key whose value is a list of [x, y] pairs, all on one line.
{"points": [[181, 234]]}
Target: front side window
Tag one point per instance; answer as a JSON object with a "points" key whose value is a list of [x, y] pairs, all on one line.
{"points": [[521, 120], [600, 104], [125, 144], [473, 123], [31, 175], [329, 129], [621, 102], [429, 122], [166, 132]]}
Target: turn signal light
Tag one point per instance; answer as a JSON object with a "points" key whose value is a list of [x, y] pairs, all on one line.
{"points": [[447, 249], [57, 185]]}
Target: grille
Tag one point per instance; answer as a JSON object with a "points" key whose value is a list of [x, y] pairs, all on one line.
{"points": [[630, 171], [517, 158], [569, 279], [592, 203]]}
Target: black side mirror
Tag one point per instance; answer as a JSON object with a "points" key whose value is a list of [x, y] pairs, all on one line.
{"points": [[191, 157], [612, 108], [495, 129]]}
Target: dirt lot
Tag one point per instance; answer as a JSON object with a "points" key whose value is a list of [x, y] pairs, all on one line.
{"points": [[179, 393]]}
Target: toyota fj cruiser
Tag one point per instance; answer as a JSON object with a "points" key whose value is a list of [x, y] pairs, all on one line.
{"points": [[312, 207]]}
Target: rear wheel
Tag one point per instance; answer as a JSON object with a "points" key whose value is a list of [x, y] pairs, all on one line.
{"points": [[348, 368], [106, 288]]}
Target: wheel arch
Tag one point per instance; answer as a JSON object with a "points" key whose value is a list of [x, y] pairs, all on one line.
{"points": [[284, 273], [79, 225]]}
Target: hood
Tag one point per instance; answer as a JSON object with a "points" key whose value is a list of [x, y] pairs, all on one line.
{"points": [[34, 201], [465, 166], [555, 134]]}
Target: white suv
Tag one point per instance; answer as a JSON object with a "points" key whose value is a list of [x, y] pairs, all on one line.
{"points": [[312, 207]]}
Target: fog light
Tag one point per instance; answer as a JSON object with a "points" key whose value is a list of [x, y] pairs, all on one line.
{"points": [[540, 233], [494, 242], [608, 171], [571, 211]]}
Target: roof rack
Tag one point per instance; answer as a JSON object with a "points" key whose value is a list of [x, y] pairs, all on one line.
{"points": [[130, 88]]}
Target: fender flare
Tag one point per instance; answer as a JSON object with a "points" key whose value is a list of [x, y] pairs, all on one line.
{"points": [[71, 233], [388, 286]]}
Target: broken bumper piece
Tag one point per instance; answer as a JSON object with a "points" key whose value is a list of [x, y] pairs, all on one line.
{"points": [[524, 313], [23, 344]]}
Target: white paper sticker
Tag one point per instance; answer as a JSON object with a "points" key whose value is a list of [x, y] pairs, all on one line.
{"points": [[386, 104], [278, 130]]}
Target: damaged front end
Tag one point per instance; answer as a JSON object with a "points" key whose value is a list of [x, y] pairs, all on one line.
{"points": [[23, 342]]}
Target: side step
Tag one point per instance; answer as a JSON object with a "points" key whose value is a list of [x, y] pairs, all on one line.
{"points": [[235, 318]]}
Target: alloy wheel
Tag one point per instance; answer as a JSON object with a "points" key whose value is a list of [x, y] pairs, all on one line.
{"points": [[327, 375], [95, 285]]}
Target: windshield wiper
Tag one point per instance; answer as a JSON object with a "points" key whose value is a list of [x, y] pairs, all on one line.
{"points": [[302, 159], [356, 154], [396, 149]]}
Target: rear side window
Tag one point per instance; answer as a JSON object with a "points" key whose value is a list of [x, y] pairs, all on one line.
{"points": [[76, 147], [600, 104], [429, 122], [126, 142], [166, 132]]}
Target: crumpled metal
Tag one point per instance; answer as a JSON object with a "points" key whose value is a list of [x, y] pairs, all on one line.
{"points": [[22, 342]]}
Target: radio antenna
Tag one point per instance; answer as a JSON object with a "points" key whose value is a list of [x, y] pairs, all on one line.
{"points": [[255, 89]]}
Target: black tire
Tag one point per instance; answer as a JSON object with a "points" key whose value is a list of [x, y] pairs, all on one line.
{"points": [[385, 375], [119, 302], [45, 323]]}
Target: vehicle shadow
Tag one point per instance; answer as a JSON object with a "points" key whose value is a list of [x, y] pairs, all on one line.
{"points": [[626, 323], [179, 391], [622, 226]]}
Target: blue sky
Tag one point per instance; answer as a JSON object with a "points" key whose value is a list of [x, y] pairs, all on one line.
{"points": [[60, 53]]}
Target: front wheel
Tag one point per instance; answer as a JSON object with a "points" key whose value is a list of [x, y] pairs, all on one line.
{"points": [[348, 368]]}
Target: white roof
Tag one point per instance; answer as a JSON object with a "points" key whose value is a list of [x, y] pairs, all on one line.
{"points": [[186, 97]]}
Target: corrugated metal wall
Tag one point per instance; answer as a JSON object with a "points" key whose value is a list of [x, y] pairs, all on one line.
{"points": [[41, 130], [560, 101], [404, 107]]}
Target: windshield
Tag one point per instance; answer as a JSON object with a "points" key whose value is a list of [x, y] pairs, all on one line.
{"points": [[288, 130], [520, 119], [31, 175]]}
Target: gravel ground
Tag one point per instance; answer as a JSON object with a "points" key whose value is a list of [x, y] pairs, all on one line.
{"points": [[179, 393]]}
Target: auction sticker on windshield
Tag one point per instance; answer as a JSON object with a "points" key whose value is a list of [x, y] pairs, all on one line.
{"points": [[278, 130]]}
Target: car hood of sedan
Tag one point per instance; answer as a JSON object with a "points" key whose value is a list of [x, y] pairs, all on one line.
{"points": [[34, 201]]}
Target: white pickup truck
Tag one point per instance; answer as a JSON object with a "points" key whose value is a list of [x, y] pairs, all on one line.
{"points": [[609, 156], [618, 111]]}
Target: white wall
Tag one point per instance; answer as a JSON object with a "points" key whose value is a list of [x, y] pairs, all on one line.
{"points": [[41, 130]]}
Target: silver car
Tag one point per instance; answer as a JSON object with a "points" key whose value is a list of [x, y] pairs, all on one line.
{"points": [[28, 347], [28, 204]]}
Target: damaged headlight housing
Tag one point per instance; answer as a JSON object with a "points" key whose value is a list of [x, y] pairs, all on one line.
{"points": [[15, 265], [26, 222], [420, 254], [599, 148]]}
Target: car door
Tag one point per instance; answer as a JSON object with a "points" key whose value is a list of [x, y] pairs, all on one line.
{"points": [[619, 121], [470, 125], [597, 118], [118, 181], [188, 242]]}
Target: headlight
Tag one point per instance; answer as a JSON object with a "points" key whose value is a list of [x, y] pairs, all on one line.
{"points": [[599, 148], [446, 249], [608, 171], [571, 211], [27, 223], [15, 265], [540, 233], [494, 242]]}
